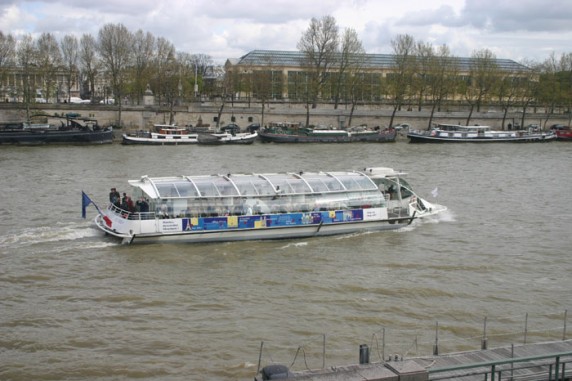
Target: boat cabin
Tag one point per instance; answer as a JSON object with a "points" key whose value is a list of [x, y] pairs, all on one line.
{"points": [[249, 194]]}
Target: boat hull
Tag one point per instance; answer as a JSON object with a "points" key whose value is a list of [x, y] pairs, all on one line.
{"points": [[223, 139], [56, 137], [269, 233], [381, 137], [135, 140], [564, 136]]}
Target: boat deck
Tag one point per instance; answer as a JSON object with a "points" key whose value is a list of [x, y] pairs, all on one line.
{"points": [[539, 361]]}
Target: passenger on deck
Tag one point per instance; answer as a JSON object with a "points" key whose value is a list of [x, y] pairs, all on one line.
{"points": [[142, 205], [114, 197]]}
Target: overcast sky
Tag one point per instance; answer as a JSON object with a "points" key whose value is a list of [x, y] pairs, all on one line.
{"points": [[514, 29]]}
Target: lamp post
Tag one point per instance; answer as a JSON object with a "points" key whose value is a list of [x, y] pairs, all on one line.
{"points": [[196, 85]]}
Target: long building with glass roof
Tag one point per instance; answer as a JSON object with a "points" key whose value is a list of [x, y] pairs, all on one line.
{"points": [[285, 69]]}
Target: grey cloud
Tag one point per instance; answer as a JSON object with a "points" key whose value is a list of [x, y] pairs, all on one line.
{"points": [[523, 15]]}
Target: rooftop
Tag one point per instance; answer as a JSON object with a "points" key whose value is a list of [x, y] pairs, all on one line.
{"points": [[384, 61]]}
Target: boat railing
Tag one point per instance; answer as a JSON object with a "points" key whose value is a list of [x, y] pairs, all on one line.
{"points": [[131, 215]]}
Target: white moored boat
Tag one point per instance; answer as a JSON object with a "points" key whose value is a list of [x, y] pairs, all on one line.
{"points": [[228, 138], [164, 134], [213, 208]]}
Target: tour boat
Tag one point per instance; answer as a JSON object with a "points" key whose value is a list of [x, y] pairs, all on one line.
{"points": [[164, 134], [443, 133], [294, 133], [72, 129], [235, 207]]}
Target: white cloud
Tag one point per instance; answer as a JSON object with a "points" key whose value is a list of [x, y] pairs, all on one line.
{"points": [[512, 29]]}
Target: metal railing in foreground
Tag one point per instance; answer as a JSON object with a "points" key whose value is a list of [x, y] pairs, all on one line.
{"points": [[523, 368]]}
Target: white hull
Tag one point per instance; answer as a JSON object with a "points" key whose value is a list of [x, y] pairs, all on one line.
{"points": [[168, 140], [271, 233]]}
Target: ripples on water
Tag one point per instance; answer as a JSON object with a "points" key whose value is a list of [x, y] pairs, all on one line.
{"points": [[76, 305]]}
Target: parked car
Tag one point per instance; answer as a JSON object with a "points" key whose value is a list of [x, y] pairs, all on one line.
{"points": [[232, 128], [557, 127], [253, 127], [108, 101], [402, 126], [533, 127], [78, 100], [41, 100]]}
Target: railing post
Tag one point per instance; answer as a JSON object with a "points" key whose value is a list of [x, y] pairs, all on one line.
{"points": [[383, 344], [436, 346], [260, 357], [484, 339], [511, 364], [324, 353], [564, 333], [493, 372], [556, 368], [525, 327]]}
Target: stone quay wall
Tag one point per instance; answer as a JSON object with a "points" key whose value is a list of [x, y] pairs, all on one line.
{"points": [[143, 117]]}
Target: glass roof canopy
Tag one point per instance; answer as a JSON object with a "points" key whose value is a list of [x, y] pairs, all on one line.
{"points": [[253, 185]]}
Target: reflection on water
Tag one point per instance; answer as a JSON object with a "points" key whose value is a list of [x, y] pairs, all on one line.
{"points": [[76, 304]]}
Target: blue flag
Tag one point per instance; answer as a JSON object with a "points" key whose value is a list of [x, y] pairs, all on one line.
{"points": [[85, 201]]}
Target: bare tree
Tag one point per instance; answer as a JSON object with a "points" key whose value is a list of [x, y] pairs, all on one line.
{"points": [[166, 74], [507, 90], [482, 81], [202, 63], [26, 58], [399, 82], [422, 77], [7, 53], [116, 49], [49, 61], [350, 62], [187, 74], [143, 54], [89, 61], [319, 44], [443, 70], [263, 84], [70, 52]]}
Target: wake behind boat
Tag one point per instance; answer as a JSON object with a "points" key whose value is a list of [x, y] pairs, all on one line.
{"points": [[237, 207], [163, 134], [443, 133]]}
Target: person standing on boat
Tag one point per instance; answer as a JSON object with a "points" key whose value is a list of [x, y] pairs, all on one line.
{"points": [[142, 205], [114, 197]]}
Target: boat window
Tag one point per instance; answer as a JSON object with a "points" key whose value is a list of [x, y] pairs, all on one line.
{"points": [[249, 185], [355, 181], [264, 188], [211, 186], [206, 188], [167, 190], [288, 183], [186, 189], [405, 189], [318, 184], [322, 182]]}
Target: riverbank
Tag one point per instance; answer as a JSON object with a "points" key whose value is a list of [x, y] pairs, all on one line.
{"points": [[243, 114]]}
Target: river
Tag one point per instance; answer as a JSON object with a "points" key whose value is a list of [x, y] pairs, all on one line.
{"points": [[76, 305]]}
